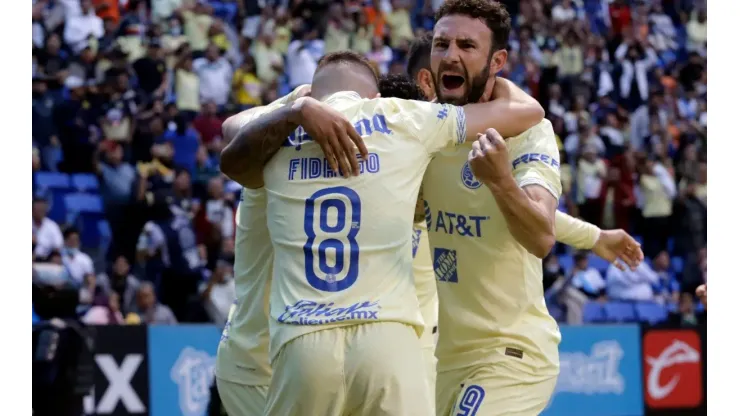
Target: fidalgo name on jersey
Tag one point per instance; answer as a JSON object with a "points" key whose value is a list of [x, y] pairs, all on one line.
{"points": [[303, 168]]}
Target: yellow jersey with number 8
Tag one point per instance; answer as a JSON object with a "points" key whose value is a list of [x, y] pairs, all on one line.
{"points": [[343, 251]]}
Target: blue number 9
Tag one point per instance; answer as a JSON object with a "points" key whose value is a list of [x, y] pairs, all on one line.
{"points": [[337, 240], [471, 400]]}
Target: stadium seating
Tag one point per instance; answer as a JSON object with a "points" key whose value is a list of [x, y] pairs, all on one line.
{"points": [[54, 187], [593, 312], [85, 211], [85, 182], [650, 312], [619, 312]]}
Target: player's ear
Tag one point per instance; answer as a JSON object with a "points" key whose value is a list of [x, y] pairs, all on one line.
{"points": [[425, 81], [377, 95], [498, 60]]}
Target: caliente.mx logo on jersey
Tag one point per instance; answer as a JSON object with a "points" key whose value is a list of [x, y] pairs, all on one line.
{"points": [[468, 179]]}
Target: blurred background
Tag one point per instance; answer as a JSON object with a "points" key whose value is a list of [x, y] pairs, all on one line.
{"points": [[133, 224]]}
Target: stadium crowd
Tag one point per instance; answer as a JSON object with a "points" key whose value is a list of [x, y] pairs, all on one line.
{"points": [[130, 207]]}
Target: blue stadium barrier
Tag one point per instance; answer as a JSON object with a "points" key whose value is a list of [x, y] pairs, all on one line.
{"points": [[593, 312], [85, 182], [619, 312], [650, 312]]}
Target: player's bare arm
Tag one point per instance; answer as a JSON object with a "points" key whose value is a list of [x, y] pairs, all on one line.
{"points": [[510, 118], [257, 141], [611, 245], [530, 211]]}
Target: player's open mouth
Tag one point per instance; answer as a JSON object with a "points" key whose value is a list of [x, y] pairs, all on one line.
{"points": [[452, 82]]}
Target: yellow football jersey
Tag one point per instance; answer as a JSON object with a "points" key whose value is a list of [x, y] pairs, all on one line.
{"points": [[343, 251], [489, 287], [426, 287], [243, 351]]}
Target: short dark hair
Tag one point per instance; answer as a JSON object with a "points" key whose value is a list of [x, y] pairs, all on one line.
{"points": [[399, 86], [69, 230], [492, 13], [347, 57], [419, 55]]}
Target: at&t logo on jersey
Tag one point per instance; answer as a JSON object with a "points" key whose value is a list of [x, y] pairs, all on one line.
{"points": [[468, 179], [673, 369], [463, 225], [307, 312], [445, 265], [193, 374]]}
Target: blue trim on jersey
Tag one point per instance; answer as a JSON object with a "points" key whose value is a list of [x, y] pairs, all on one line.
{"points": [[462, 128]]}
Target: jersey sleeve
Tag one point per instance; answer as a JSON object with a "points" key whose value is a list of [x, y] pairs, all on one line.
{"points": [[292, 96], [436, 125], [536, 159]]}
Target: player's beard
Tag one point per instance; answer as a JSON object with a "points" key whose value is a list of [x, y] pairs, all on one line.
{"points": [[476, 86]]}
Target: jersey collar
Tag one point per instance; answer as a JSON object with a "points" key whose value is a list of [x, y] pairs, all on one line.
{"points": [[341, 96]]}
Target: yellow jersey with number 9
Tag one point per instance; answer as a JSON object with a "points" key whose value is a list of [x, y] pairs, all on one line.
{"points": [[343, 251], [492, 306]]}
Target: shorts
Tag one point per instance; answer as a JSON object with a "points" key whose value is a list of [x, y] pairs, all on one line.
{"points": [[372, 369], [241, 399], [492, 390]]}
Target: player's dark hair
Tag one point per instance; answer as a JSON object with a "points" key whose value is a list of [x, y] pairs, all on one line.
{"points": [[347, 58], [399, 86], [492, 13], [419, 55]]}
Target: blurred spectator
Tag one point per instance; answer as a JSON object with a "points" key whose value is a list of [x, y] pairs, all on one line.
{"points": [[301, 63], [381, 54], [79, 265], [206, 168], [214, 73], [657, 190], [198, 21], [631, 285], [552, 271], [591, 176], [83, 28], [686, 315], [399, 24], [247, 88], [150, 310], [696, 29], [187, 87], [667, 287], [105, 311], [587, 279], [208, 126], [362, 37], [121, 283], [218, 293], [152, 71], [47, 236], [185, 142], [269, 60], [338, 29]]}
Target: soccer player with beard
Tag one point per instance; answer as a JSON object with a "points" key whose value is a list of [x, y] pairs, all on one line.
{"points": [[498, 345], [608, 244]]}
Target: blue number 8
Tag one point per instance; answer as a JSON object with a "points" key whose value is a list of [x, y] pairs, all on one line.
{"points": [[338, 237]]}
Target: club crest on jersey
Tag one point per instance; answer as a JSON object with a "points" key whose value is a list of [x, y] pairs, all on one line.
{"points": [[445, 265], [467, 177]]}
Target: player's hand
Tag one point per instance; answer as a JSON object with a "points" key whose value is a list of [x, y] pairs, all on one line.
{"points": [[337, 137], [701, 292], [614, 245], [489, 158]]}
